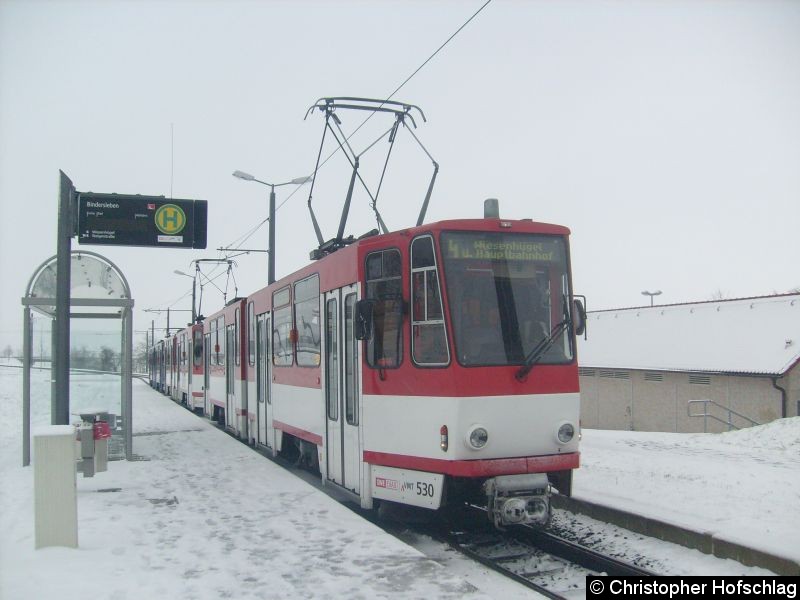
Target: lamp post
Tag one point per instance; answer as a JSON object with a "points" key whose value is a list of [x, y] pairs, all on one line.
{"points": [[272, 186], [194, 287], [651, 294]]}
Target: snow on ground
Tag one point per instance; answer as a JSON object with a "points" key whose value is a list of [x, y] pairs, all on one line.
{"points": [[205, 517], [742, 486]]}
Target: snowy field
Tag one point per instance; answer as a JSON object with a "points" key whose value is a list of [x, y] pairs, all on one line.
{"points": [[205, 517], [742, 486]]}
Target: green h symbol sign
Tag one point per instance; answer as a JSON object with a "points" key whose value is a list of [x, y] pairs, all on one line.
{"points": [[170, 219]]}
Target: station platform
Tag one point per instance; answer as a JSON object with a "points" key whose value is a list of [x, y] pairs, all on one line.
{"points": [[201, 515]]}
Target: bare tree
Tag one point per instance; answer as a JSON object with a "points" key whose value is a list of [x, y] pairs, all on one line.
{"points": [[109, 360], [140, 357]]}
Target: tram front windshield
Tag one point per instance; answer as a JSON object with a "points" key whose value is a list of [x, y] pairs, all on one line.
{"points": [[507, 293]]}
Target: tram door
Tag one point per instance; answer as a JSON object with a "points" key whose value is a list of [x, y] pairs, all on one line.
{"points": [[176, 391], [206, 374], [168, 368], [341, 389], [263, 380], [230, 350]]}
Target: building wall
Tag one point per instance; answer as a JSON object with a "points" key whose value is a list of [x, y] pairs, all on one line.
{"points": [[659, 401], [792, 385]]}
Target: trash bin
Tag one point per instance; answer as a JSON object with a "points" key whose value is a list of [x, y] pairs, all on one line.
{"points": [[93, 435], [86, 443], [101, 432]]}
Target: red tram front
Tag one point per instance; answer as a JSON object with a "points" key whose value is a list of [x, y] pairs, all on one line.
{"points": [[470, 380], [429, 366]]}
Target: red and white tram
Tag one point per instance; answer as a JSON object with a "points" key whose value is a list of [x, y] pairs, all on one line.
{"points": [[157, 366], [427, 366], [224, 388], [187, 366]]}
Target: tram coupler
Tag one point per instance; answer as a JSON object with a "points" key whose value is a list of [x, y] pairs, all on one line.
{"points": [[518, 499]]}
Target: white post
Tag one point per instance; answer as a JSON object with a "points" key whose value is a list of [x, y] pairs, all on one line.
{"points": [[55, 486]]}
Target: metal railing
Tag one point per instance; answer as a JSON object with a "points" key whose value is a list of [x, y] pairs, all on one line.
{"points": [[707, 415]]}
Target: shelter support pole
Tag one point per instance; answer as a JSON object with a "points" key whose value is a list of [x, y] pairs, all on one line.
{"points": [[26, 388], [53, 388], [60, 414], [127, 380]]}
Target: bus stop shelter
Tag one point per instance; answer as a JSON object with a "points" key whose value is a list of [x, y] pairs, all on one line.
{"points": [[98, 290]]}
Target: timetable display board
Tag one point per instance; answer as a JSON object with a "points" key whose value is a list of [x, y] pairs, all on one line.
{"points": [[154, 221]]}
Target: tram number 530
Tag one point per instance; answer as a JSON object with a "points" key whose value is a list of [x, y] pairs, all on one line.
{"points": [[425, 489]]}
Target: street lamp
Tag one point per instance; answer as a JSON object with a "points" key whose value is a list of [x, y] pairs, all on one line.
{"points": [[272, 186], [651, 294], [194, 287]]}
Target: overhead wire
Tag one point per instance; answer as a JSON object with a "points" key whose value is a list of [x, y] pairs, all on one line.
{"points": [[248, 234], [209, 280], [364, 122]]}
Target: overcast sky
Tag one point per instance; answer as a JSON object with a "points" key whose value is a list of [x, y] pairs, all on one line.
{"points": [[665, 135]]}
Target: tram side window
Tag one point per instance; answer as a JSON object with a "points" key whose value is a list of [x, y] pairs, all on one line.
{"points": [[212, 342], [428, 338], [306, 315], [198, 347], [221, 341], [384, 287], [282, 328], [251, 333], [236, 329], [350, 365]]}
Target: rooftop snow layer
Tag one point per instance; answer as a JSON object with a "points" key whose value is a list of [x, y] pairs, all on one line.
{"points": [[750, 335]]}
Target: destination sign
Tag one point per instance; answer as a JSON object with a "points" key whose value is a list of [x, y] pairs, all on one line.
{"points": [[517, 247], [155, 221]]}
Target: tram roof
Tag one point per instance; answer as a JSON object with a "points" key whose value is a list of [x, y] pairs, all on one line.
{"points": [[756, 336]]}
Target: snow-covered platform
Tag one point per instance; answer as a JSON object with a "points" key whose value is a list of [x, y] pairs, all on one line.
{"points": [[206, 517], [736, 490]]}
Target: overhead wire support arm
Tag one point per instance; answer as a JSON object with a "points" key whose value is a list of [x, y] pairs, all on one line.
{"points": [[427, 200], [392, 138], [368, 104], [354, 162], [317, 230], [240, 251], [401, 112]]}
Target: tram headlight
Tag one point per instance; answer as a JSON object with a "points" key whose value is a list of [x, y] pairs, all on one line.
{"points": [[477, 437], [565, 433]]}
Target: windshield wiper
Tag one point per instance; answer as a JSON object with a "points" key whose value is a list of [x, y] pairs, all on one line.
{"points": [[544, 345]]}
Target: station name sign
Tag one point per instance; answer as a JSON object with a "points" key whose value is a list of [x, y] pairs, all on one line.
{"points": [[154, 221]]}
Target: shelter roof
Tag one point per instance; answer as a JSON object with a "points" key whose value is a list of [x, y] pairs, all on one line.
{"points": [[746, 336], [95, 282]]}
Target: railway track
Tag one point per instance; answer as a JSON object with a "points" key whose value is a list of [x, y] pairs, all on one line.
{"points": [[537, 559]]}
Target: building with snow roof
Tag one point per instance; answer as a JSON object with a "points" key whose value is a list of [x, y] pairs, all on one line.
{"points": [[648, 368]]}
